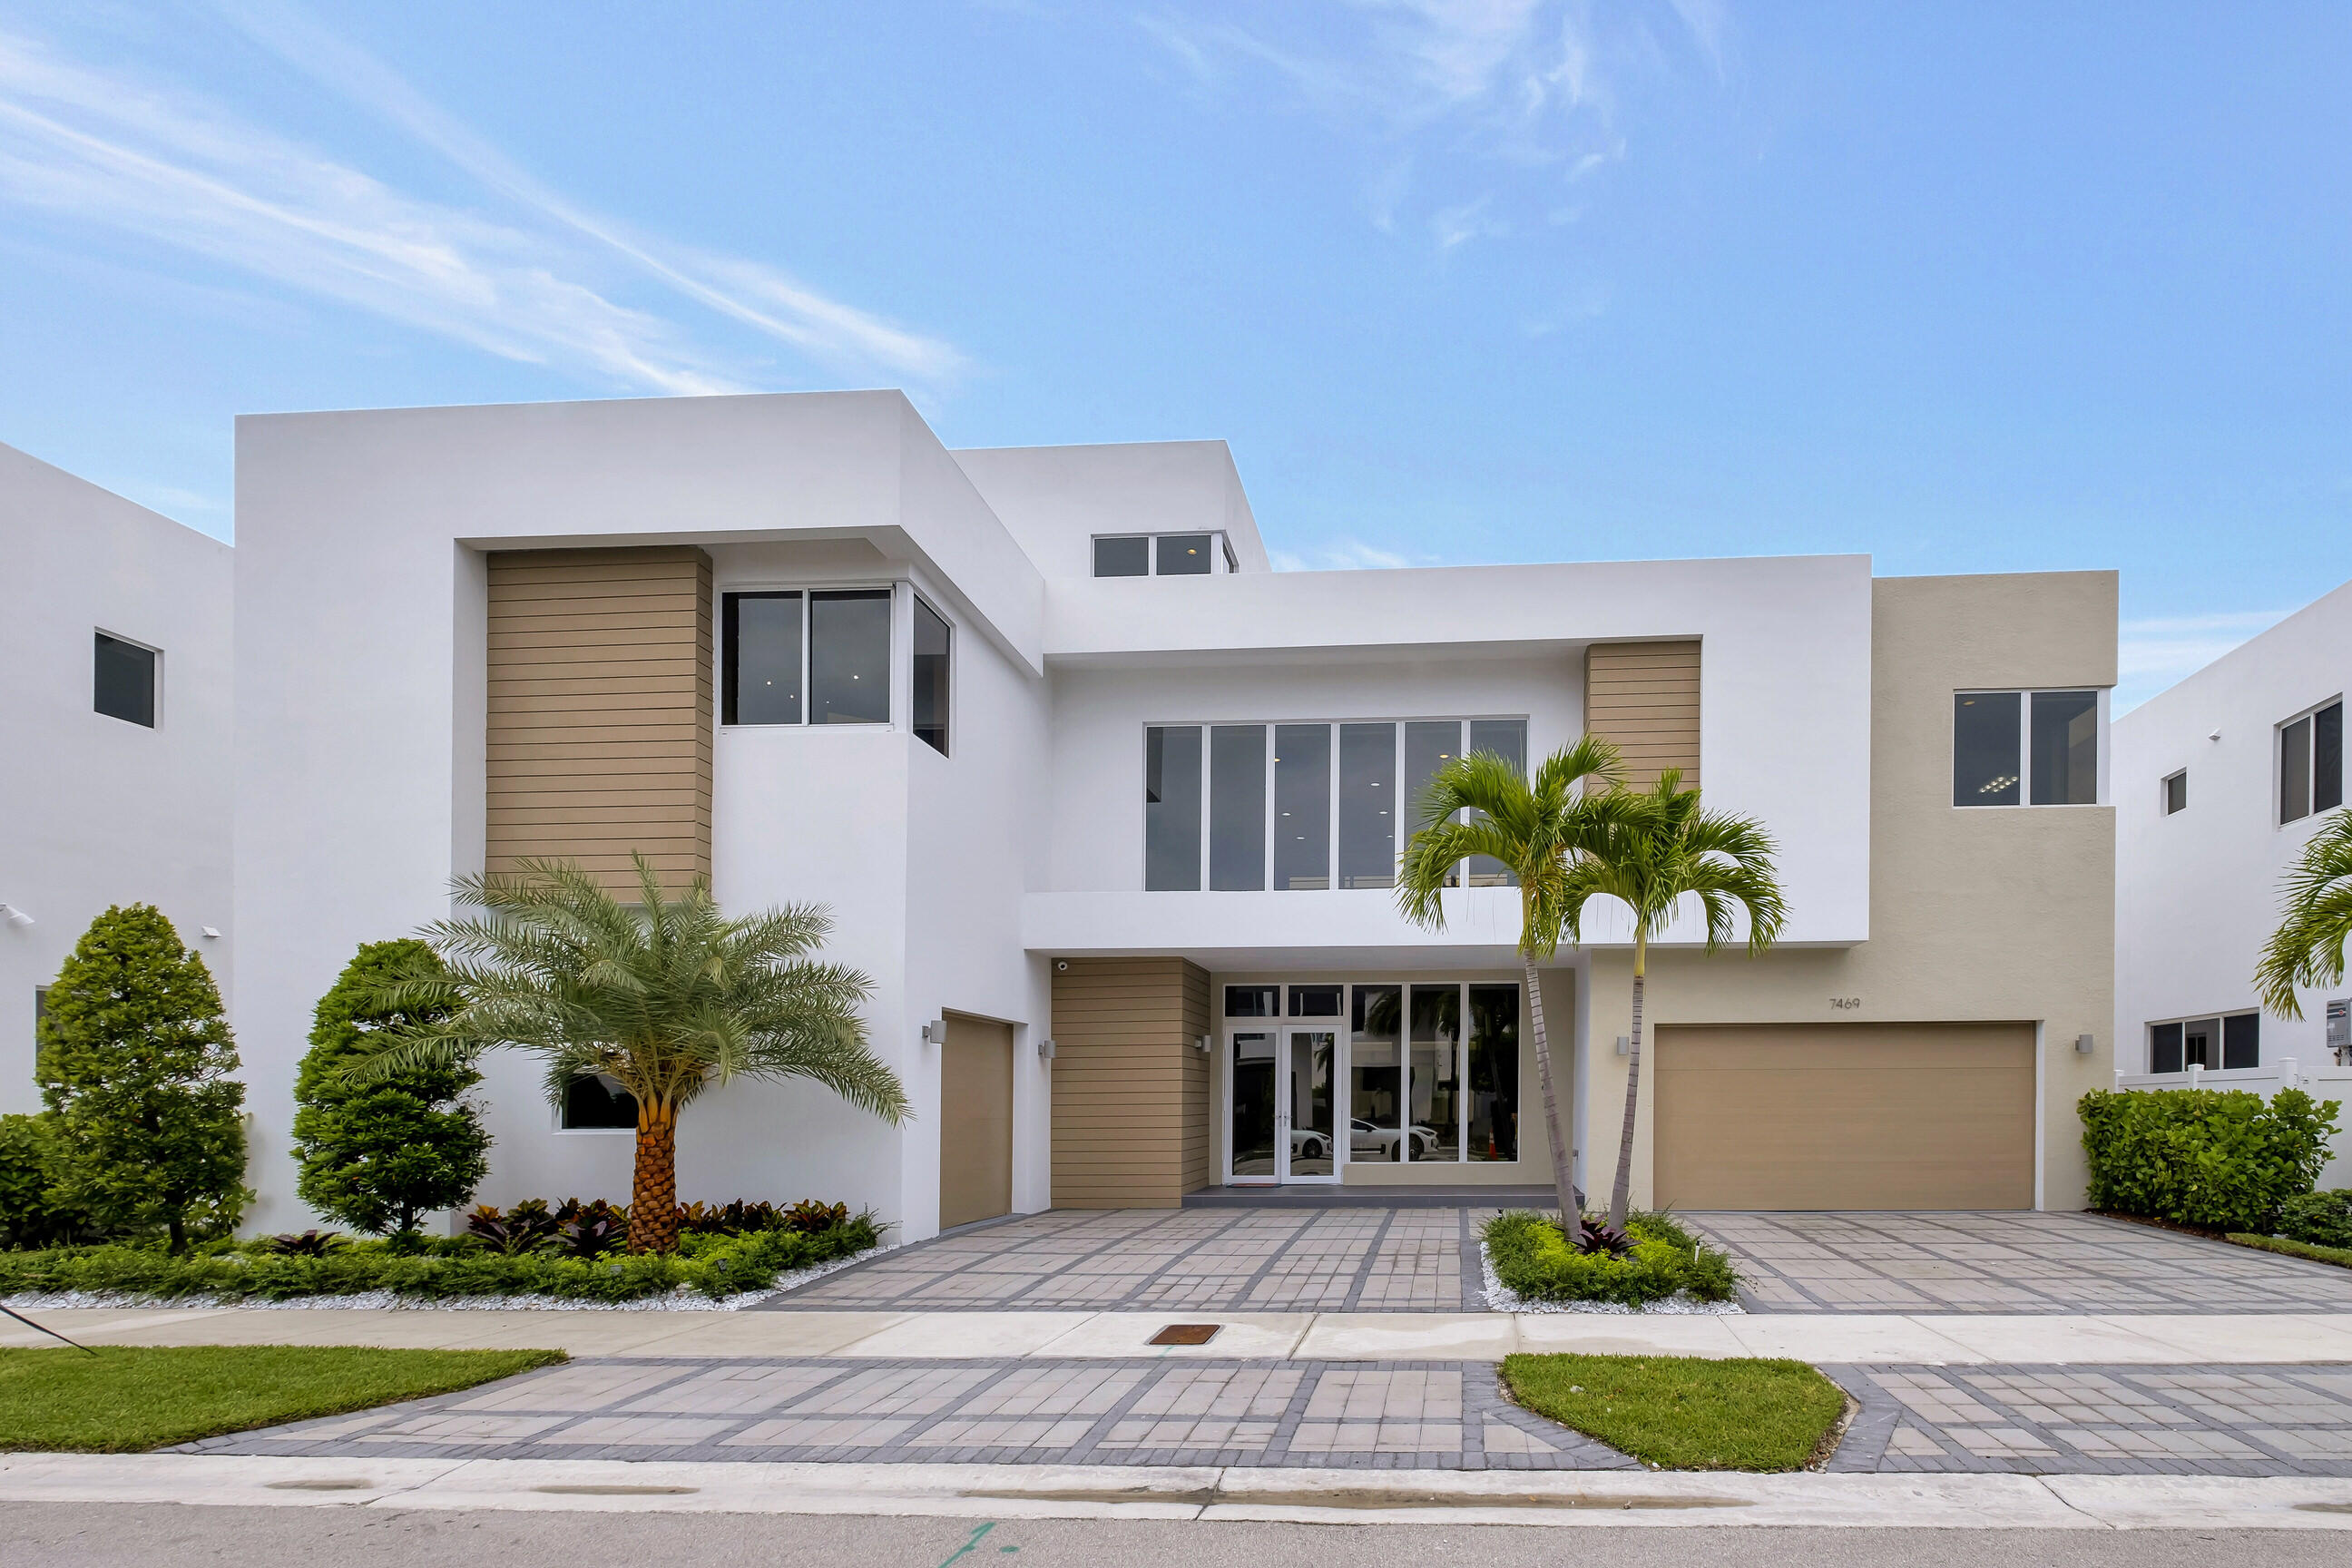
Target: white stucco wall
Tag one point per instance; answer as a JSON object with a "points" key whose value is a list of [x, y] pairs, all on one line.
{"points": [[1056, 500], [2197, 892], [94, 810]]}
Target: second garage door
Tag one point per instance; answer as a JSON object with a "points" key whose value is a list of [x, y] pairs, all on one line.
{"points": [[1852, 1116]]}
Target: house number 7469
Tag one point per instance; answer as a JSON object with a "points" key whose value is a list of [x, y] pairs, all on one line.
{"points": [[1846, 1003]]}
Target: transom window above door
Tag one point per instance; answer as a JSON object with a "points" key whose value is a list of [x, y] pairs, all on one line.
{"points": [[1301, 806]]}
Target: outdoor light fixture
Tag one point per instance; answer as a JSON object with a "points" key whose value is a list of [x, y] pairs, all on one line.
{"points": [[1046, 1049], [1200, 1043], [1624, 1045], [935, 1033], [2081, 1045], [15, 916], [210, 931]]}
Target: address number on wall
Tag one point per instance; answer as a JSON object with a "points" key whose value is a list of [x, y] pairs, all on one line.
{"points": [[1846, 1003]]}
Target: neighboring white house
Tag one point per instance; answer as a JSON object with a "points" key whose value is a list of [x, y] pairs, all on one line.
{"points": [[1109, 812], [2218, 783], [114, 734]]}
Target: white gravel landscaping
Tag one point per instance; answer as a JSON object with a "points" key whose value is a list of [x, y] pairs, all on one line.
{"points": [[1501, 1298]]}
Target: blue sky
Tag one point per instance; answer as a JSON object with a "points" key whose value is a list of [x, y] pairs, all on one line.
{"points": [[1982, 286]]}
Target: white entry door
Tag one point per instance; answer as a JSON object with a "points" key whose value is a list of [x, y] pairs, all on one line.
{"points": [[1282, 1096]]}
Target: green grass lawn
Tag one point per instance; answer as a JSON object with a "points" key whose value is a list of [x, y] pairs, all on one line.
{"points": [[1684, 1412], [125, 1399], [2339, 1256]]}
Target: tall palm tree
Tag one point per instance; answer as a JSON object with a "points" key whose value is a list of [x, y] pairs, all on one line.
{"points": [[668, 998], [2314, 919], [1656, 849], [1482, 804]]}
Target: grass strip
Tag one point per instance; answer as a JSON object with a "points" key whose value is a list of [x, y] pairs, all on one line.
{"points": [[129, 1398], [1684, 1412], [2339, 1256]]}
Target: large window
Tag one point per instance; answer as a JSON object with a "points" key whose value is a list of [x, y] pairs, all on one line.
{"points": [[933, 638], [2215, 1042], [820, 656], [2019, 748], [2311, 762], [1301, 807], [123, 685], [1163, 555], [594, 1103]]}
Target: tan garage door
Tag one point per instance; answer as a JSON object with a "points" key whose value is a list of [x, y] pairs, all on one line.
{"points": [[975, 1121], [1846, 1116]]}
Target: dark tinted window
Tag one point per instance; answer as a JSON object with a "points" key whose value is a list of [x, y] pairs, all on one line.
{"points": [[1302, 805], [596, 1102], [1237, 809], [1494, 1073], [1252, 1001], [2065, 748], [1985, 770], [1507, 739], [2328, 758], [760, 675], [2164, 1047], [1123, 557], [931, 639], [1429, 745], [1315, 1001], [2242, 1040], [2294, 771], [1368, 805], [125, 684], [849, 657], [1185, 554], [1171, 809], [2175, 793]]}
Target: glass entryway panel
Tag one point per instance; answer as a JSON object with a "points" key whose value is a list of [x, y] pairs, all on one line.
{"points": [[1310, 1105], [1253, 1084], [1494, 1087], [1434, 1132], [1375, 1073]]}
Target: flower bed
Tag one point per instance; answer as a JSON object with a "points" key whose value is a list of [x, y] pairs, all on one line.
{"points": [[1534, 1262], [709, 1265]]}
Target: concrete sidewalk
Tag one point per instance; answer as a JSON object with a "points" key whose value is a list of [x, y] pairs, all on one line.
{"points": [[1957, 1339], [1016, 1493]]}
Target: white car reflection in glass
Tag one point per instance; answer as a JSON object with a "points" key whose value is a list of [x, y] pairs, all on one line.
{"points": [[1306, 1143], [1366, 1141]]}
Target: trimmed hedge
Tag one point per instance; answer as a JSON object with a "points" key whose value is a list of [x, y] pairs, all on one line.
{"points": [[2321, 1219], [1535, 1261], [2339, 1256], [2222, 1158], [715, 1266]]}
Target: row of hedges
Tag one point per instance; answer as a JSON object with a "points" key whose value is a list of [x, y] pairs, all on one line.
{"points": [[2222, 1158], [712, 1263], [1533, 1259]]}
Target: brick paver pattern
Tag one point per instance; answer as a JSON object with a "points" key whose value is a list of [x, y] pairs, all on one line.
{"points": [[2196, 1420], [1259, 1260], [2006, 1263]]}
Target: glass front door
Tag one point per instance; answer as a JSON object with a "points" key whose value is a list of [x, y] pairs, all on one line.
{"points": [[1284, 1089], [1251, 1083]]}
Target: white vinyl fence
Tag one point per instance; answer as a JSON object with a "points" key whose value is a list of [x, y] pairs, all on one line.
{"points": [[2322, 1083]]}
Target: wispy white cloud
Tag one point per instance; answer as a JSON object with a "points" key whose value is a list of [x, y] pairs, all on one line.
{"points": [[2155, 652], [1344, 555]]}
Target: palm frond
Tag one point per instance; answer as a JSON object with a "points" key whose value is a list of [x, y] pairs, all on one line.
{"points": [[2314, 919]]}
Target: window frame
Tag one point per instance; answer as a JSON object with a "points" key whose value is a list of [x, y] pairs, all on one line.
{"points": [[154, 679], [2312, 808], [806, 591], [2220, 1018], [2025, 696], [1223, 561], [1332, 791]]}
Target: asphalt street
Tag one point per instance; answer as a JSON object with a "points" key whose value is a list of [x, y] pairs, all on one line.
{"points": [[88, 1535]]}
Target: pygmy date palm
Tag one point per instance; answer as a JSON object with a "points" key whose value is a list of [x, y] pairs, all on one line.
{"points": [[2314, 919], [1652, 849], [668, 998], [1482, 804]]}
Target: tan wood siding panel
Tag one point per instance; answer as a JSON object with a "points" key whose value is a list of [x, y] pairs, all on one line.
{"points": [[1845, 1116], [1645, 696], [1130, 1093], [975, 1121], [599, 711]]}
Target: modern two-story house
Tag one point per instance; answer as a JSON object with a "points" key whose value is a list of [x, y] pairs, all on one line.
{"points": [[1110, 813]]}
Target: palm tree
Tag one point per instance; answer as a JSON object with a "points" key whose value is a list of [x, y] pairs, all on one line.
{"points": [[668, 998], [2314, 919], [1658, 847], [1482, 804]]}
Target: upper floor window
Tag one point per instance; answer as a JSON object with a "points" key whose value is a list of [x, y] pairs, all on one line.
{"points": [[1246, 807], [2311, 762], [2229, 1040], [2175, 793], [1163, 555], [816, 656], [123, 685], [2017, 748], [933, 637]]}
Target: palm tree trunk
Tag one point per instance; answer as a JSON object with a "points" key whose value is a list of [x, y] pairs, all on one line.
{"points": [[1570, 1201], [1620, 1193], [652, 1190]]}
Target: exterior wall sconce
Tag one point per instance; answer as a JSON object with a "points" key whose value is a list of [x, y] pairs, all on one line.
{"points": [[2081, 1045], [935, 1033], [1200, 1043], [213, 931], [1624, 1045], [1046, 1049]]}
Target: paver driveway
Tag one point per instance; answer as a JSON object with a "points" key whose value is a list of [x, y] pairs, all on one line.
{"points": [[2007, 1263]]}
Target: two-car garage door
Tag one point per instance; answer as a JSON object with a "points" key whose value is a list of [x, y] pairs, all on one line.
{"points": [[1845, 1116]]}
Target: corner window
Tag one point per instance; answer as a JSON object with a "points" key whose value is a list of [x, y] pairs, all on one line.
{"points": [[821, 656], [933, 639], [594, 1103], [2311, 762], [123, 683], [1163, 555], [2017, 748], [2175, 793]]}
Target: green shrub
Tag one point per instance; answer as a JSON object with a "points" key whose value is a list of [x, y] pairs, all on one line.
{"points": [[456, 1267], [2202, 1156], [379, 1155], [2323, 1219], [134, 1066], [1534, 1259], [30, 1213]]}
